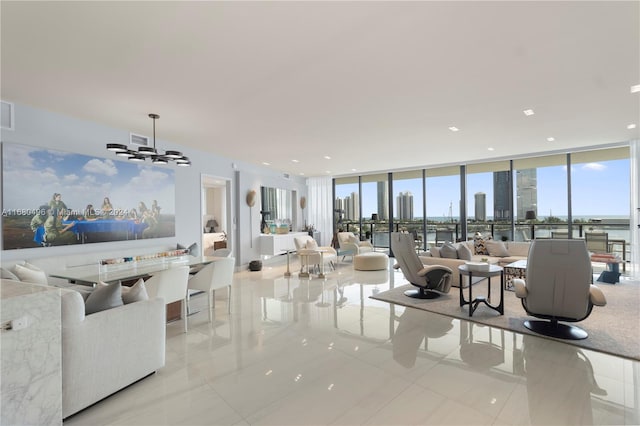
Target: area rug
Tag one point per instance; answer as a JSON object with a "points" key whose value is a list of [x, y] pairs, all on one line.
{"points": [[613, 329]]}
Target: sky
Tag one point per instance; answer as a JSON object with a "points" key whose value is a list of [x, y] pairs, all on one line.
{"points": [[32, 175], [594, 187]]}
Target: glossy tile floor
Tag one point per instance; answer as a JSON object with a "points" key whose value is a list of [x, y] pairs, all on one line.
{"points": [[320, 352]]}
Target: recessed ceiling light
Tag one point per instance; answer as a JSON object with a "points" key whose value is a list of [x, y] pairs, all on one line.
{"points": [[327, 157], [491, 148], [266, 164], [631, 126], [635, 88], [551, 139], [295, 161], [328, 172], [453, 128], [301, 174], [353, 170], [528, 112]]}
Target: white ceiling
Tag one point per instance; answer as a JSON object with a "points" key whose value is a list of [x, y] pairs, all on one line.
{"points": [[373, 85]]}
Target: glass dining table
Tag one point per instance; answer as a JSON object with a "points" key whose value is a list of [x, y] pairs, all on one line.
{"points": [[92, 274]]}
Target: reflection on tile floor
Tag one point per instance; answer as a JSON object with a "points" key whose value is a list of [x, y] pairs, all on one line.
{"points": [[314, 352]]}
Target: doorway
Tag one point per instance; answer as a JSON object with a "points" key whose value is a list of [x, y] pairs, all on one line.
{"points": [[216, 205]]}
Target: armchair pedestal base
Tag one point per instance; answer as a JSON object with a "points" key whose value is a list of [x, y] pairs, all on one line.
{"points": [[422, 293], [556, 329]]}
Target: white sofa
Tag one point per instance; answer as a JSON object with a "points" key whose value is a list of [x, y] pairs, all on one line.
{"points": [[108, 350], [500, 253], [105, 351]]}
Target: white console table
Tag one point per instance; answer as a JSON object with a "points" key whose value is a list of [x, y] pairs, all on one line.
{"points": [[273, 244]]}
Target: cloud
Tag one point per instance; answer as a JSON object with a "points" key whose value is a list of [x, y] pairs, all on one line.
{"points": [[100, 167], [149, 179], [598, 167], [69, 179], [17, 157]]}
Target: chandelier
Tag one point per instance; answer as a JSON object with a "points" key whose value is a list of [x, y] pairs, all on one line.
{"points": [[153, 154]]}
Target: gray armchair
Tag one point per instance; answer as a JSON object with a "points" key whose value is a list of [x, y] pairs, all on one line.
{"points": [[558, 287], [426, 278]]}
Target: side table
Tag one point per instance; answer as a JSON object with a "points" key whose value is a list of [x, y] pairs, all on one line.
{"points": [[517, 269], [304, 261], [493, 271]]}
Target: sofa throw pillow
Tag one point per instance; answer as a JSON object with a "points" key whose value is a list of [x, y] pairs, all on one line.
{"points": [[353, 239], [135, 293], [434, 251], [5, 274], [496, 248], [312, 245], [479, 243], [30, 273], [464, 252], [103, 297], [449, 251]]}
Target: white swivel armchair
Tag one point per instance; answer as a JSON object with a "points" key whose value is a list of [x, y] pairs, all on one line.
{"points": [[558, 287], [349, 242], [214, 276], [171, 285], [426, 278]]}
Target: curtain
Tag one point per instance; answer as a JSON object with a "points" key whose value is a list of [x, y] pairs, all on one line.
{"points": [[320, 207], [635, 208]]}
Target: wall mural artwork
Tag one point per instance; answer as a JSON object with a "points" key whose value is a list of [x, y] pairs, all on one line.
{"points": [[52, 198]]}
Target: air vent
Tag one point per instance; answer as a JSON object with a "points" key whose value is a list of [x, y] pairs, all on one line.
{"points": [[7, 120], [138, 139], [286, 175]]}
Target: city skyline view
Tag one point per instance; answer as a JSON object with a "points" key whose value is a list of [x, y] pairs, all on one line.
{"points": [[593, 186]]}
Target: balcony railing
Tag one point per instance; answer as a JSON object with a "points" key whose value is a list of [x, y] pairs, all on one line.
{"points": [[377, 232]]}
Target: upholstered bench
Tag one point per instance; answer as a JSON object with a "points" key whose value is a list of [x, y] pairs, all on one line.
{"points": [[372, 261]]}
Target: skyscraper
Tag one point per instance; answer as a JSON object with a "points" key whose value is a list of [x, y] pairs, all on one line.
{"points": [[352, 206], [527, 192], [501, 196], [481, 206], [383, 200], [404, 201]]}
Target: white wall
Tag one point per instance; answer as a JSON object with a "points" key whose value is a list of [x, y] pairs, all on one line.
{"points": [[36, 127]]}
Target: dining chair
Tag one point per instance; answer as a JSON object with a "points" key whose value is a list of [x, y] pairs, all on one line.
{"points": [[171, 285], [214, 276], [562, 235], [597, 242], [444, 235]]}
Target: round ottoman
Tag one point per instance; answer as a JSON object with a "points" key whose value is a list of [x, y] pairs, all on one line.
{"points": [[371, 261]]}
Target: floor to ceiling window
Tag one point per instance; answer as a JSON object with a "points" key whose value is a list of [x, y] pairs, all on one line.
{"points": [[600, 196], [375, 209], [408, 205], [347, 204], [540, 197], [489, 199], [442, 186], [520, 199]]}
